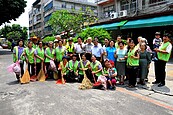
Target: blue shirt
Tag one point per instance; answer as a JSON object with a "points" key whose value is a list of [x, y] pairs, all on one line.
{"points": [[97, 51], [110, 53], [121, 54]]}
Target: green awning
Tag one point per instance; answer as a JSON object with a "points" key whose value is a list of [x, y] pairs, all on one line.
{"points": [[122, 23], [150, 22], [112, 26]]}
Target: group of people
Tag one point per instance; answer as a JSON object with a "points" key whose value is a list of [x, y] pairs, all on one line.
{"points": [[112, 63]]}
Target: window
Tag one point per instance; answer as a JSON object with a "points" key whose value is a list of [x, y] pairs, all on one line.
{"points": [[38, 17], [48, 7], [73, 6], [63, 5], [47, 18], [125, 5], [107, 10], [83, 8], [155, 1]]}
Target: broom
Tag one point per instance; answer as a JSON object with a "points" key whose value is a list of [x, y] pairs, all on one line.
{"points": [[61, 81], [26, 77], [86, 83], [41, 76]]}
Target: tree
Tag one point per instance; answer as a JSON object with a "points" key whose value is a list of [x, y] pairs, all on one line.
{"points": [[95, 32], [11, 9], [63, 20], [14, 32]]}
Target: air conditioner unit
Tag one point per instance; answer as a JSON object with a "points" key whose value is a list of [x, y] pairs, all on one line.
{"points": [[114, 15], [122, 13]]}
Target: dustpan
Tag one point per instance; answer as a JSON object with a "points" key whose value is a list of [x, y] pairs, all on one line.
{"points": [[41, 76], [86, 83], [26, 77]]}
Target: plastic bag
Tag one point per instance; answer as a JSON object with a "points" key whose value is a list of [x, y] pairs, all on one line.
{"points": [[15, 67], [52, 65]]}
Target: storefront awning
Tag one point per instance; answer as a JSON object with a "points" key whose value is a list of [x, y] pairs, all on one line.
{"points": [[150, 22], [112, 26]]}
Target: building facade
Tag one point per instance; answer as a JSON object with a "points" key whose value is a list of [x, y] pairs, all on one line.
{"points": [[130, 8], [133, 18], [43, 9]]}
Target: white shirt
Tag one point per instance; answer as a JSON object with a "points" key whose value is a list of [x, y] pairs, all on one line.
{"points": [[78, 48]]}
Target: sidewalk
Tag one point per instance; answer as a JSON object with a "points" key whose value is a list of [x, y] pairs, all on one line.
{"points": [[168, 88]]}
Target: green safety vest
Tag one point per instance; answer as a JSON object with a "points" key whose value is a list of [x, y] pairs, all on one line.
{"points": [[132, 61], [116, 45], [59, 53], [73, 66], [85, 66], [70, 49], [30, 55], [95, 68], [40, 53], [34, 46], [15, 58], [64, 68], [164, 56], [49, 53], [105, 71]]}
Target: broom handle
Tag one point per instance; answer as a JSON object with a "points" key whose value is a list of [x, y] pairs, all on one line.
{"points": [[82, 65]]}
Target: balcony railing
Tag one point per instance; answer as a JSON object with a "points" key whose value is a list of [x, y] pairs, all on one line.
{"points": [[73, 10]]}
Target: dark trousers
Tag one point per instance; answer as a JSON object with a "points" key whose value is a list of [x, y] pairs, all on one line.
{"points": [[22, 70], [160, 71], [156, 69], [38, 68], [133, 72], [31, 69], [71, 77], [49, 72]]}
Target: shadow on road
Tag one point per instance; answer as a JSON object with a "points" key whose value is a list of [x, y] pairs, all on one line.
{"points": [[13, 83], [5, 52]]}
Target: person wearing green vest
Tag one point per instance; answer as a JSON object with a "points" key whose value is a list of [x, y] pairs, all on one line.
{"points": [[59, 52], [29, 56], [70, 47], [163, 53], [39, 54], [86, 64], [132, 64], [34, 40], [17, 56], [63, 67], [73, 71], [49, 55], [95, 67]]}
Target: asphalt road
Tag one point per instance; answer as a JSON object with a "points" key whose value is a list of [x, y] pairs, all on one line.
{"points": [[48, 98]]}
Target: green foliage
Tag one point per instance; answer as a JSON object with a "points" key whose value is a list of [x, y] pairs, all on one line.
{"points": [[63, 20], [95, 32], [14, 32], [9, 44], [11, 9], [48, 38]]}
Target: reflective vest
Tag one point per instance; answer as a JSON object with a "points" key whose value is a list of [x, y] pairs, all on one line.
{"points": [[34, 46], [132, 61], [15, 58], [164, 56], [70, 49], [73, 66], [50, 54], [60, 52], [95, 67], [64, 67], [85, 66], [40, 53], [30, 54]]}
